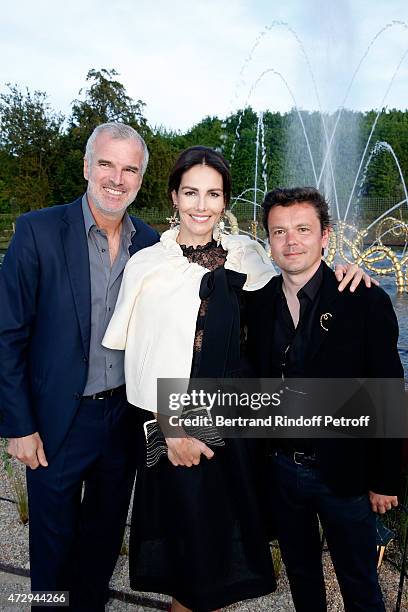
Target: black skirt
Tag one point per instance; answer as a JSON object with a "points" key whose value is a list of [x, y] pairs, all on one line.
{"points": [[198, 533]]}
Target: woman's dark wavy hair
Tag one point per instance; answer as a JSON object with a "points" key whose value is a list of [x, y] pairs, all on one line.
{"points": [[198, 155], [296, 195]]}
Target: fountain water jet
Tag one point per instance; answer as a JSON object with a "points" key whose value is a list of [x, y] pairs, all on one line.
{"points": [[329, 135]]}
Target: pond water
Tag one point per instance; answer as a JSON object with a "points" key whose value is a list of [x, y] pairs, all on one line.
{"points": [[400, 303]]}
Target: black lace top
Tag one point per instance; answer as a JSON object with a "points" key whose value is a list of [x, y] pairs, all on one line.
{"points": [[209, 256]]}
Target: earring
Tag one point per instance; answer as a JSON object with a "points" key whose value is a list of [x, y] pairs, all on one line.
{"points": [[174, 220], [219, 228]]}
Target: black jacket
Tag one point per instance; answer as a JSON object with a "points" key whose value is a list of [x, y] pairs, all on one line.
{"points": [[360, 342]]}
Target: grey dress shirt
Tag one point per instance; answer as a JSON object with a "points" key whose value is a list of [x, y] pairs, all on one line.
{"points": [[106, 366]]}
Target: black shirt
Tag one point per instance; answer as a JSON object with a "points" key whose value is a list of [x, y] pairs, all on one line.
{"points": [[289, 343]]}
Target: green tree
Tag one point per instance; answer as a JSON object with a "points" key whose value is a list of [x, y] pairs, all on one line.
{"points": [[29, 135], [104, 99], [163, 153], [240, 149], [207, 132], [382, 177], [8, 168]]}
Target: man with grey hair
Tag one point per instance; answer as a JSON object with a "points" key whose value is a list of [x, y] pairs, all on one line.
{"points": [[62, 397]]}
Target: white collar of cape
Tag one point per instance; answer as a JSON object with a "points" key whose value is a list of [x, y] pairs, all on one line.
{"points": [[153, 348], [244, 255]]}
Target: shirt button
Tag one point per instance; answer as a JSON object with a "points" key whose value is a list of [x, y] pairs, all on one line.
{"points": [[85, 359], [110, 366], [103, 250]]}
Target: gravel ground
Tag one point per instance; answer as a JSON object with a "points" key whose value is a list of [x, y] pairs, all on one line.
{"points": [[14, 551]]}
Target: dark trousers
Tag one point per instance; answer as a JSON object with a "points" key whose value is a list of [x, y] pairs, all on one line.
{"points": [[75, 536], [300, 498]]}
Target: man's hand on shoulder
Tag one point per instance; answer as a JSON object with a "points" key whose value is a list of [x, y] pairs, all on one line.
{"points": [[382, 503], [29, 450]]}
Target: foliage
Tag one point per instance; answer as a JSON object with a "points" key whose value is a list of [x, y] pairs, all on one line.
{"points": [[29, 137], [383, 177], [106, 100], [41, 156], [276, 558], [17, 482], [163, 153]]}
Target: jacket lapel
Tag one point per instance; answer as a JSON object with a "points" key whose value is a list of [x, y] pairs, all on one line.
{"points": [[326, 313], [134, 245], [138, 241], [77, 261]]}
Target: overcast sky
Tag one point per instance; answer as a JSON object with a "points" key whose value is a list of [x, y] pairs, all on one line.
{"points": [[187, 59]]}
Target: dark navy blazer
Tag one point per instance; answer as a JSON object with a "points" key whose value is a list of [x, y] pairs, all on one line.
{"points": [[45, 321]]}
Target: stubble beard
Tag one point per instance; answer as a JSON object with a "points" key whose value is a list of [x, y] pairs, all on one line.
{"points": [[99, 205]]}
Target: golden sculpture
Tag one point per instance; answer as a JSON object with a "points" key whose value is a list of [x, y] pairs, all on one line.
{"points": [[348, 242]]}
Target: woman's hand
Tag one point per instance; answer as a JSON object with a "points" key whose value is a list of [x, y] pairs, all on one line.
{"points": [[187, 451], [352, 273], [382, 503]]}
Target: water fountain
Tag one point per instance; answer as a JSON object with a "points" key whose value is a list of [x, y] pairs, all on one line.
{"points": [[349, 241]]}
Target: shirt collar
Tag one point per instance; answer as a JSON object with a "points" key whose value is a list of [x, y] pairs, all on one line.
{"points": [[311, 288], [128, 229], [88, 216], [313, 285]]}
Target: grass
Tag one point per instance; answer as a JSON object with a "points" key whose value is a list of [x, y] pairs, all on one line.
{"points": [[17, 482]]}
